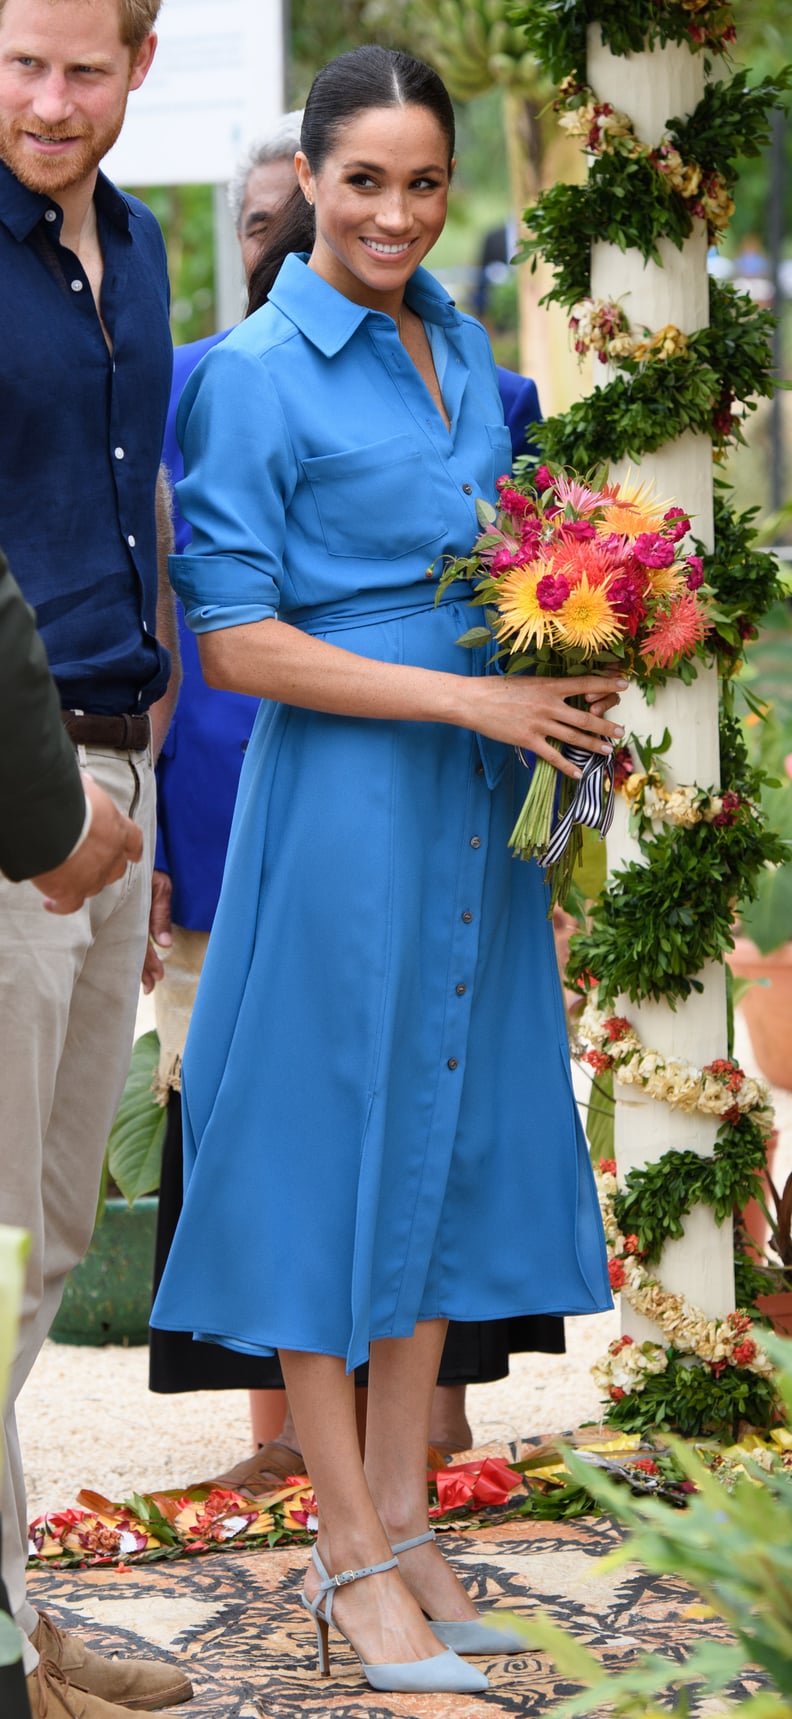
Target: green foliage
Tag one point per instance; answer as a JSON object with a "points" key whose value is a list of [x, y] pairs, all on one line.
{"points": [[653, 401], [656, 1197], [767, 919], [134, 1149], [745, 582], [730, 121], [555, 30], [694, 1401]]}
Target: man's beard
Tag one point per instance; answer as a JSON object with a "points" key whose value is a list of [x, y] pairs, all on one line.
{"points": [[51, 174]]}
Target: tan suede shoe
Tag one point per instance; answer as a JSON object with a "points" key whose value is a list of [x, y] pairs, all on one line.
{"points": [[140, 1684], [51, 1697], [265, 1472]]}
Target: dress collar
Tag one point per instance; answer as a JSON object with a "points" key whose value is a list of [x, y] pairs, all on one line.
{"points": [[329, 320]]}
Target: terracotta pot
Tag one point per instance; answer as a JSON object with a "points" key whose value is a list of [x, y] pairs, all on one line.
{"points": [[767, 1008], [778, 1307]]}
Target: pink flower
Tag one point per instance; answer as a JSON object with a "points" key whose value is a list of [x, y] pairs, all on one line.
{"points": [[552, 592], [579, 529], [653, 550], [504, 557], [676, 633], [728, 813], [513, 502], [622, 765], [695, 577], [788, 764], [626, 596], [679, 522], [543, 478]]}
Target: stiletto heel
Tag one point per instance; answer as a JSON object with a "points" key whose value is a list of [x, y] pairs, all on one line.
{"points": [[443, 1672], [465, 1635]]}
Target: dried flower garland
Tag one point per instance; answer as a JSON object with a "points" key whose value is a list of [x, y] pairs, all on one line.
{"points": [[717, 1343], [602, 326], [721, 1088]]}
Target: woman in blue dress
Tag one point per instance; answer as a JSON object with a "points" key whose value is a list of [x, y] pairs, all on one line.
{"points": [[380, 1131]]}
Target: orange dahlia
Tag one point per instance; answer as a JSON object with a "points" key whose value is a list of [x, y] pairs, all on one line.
{"points": [[676, 633]]}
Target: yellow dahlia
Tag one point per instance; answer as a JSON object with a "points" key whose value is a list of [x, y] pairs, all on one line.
{"points": [[587, 620], [521, 614]]}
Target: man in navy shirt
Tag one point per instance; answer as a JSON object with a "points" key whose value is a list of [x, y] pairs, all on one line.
{"points": [[86, 367]]}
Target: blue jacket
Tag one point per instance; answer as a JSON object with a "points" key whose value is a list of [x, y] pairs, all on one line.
{"points": [[199, 768]]}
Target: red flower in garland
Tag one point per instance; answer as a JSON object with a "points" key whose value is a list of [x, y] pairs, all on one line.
{"points": [[617, 1276], [745, 1353], [607, 1166], [616, 1026], [617, 1394], [598, 1060]]}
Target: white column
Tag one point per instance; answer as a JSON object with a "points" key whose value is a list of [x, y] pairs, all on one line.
{"points": [[651, 88]]}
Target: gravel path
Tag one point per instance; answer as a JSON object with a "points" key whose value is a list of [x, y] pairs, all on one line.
{"points": [[87, 1418]]}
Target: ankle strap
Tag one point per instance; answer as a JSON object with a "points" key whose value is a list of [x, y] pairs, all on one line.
{"points": [[417, 1540], [329, 1584]]}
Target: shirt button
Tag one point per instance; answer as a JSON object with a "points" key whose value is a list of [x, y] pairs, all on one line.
{"points": [[479, 769], [50, 214], [77, 286], [452, 1062], [119, 453], [131, 540], [467, 918], [460, 990], [475, 841], [468, 488]]}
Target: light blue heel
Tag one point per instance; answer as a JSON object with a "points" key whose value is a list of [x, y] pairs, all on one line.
{"points": [[467, 1635], [444, 1672]]}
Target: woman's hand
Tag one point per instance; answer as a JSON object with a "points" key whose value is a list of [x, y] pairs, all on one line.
{"points": [[533, 712]]}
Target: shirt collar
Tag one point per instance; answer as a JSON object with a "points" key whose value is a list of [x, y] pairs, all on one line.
{"points": [[22, 209], [329, 320]]}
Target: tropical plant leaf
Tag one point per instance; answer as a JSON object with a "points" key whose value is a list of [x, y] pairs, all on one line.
{"points": [[134, 1149]]}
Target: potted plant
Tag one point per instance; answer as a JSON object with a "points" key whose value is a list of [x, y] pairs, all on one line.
{"points": [[107, 1298], [763, 949]]}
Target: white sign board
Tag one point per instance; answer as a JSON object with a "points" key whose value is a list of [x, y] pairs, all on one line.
{"points": [[217, 83]]}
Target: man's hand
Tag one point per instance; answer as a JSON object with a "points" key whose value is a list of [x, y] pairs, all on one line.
{"points": [[160, 933], [111, 843]]}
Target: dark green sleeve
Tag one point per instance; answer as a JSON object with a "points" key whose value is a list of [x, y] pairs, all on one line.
{"points": [[42, 803]]}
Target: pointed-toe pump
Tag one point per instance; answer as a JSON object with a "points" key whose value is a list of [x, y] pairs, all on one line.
{"points": [[444, 1672], [466, 1635]]}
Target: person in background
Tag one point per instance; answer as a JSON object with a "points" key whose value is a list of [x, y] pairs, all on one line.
{"points": [[84, 519], [197, 777]]}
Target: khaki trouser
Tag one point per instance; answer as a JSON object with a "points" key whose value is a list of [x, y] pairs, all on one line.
{"points": [[69, 990]]}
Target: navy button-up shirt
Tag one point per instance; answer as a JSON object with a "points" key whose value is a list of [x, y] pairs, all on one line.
{"points": [[81, 432]]}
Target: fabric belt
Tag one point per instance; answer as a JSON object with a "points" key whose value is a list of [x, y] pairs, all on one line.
{"points": [[123, 733]]}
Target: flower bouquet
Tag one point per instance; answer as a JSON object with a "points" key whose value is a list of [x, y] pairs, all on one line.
{"points": [[577, 576]]}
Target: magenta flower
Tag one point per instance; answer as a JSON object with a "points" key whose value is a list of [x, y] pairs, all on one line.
{"points": [[552, 591], [515, 503], [678, 520], [543, 478], [695, 577], [652, 550], [504, 557], [581, 529]]}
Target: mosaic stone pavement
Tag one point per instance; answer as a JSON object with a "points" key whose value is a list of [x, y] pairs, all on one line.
{"points": [[234, 1621]]}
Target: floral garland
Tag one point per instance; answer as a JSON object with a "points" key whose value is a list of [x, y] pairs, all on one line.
{"points": [[602, 326], [647, 937], [721, 1088], [557, 34]]}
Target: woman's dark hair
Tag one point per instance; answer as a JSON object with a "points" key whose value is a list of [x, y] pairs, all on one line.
{"points": [[351, 84]]}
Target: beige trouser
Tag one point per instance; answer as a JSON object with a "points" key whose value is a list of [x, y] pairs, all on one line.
{"points": [[69, 990]]}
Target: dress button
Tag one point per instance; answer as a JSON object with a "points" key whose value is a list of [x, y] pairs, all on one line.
{"points": [[77, 286], [452, 1062], [131, 540], [479, 769], [468, 488], [475, 841], [50, 214], [467, 918], [460, 990], [119, 453]]}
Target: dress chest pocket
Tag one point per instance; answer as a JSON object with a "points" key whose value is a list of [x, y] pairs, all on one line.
{"points": [[501, 448], [376, 503]]}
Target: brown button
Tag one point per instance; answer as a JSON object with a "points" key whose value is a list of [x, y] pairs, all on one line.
{"points": [[475, 841], [460, 990], [467, 918], [452, 1062], [468, 488]]}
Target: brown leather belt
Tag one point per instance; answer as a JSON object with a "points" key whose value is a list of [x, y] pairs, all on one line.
{"points": [[122, 733]]}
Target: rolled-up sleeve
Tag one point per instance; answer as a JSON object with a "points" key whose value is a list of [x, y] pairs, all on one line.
{"points": [[240, 475]]}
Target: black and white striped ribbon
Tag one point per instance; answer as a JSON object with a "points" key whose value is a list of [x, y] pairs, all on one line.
{"points": [[592, 804]]}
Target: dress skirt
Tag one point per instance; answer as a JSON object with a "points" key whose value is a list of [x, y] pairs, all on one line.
{"points": [[379, 1124]]}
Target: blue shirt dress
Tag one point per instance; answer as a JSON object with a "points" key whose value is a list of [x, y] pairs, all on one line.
{"points": [[379, 1119]]}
